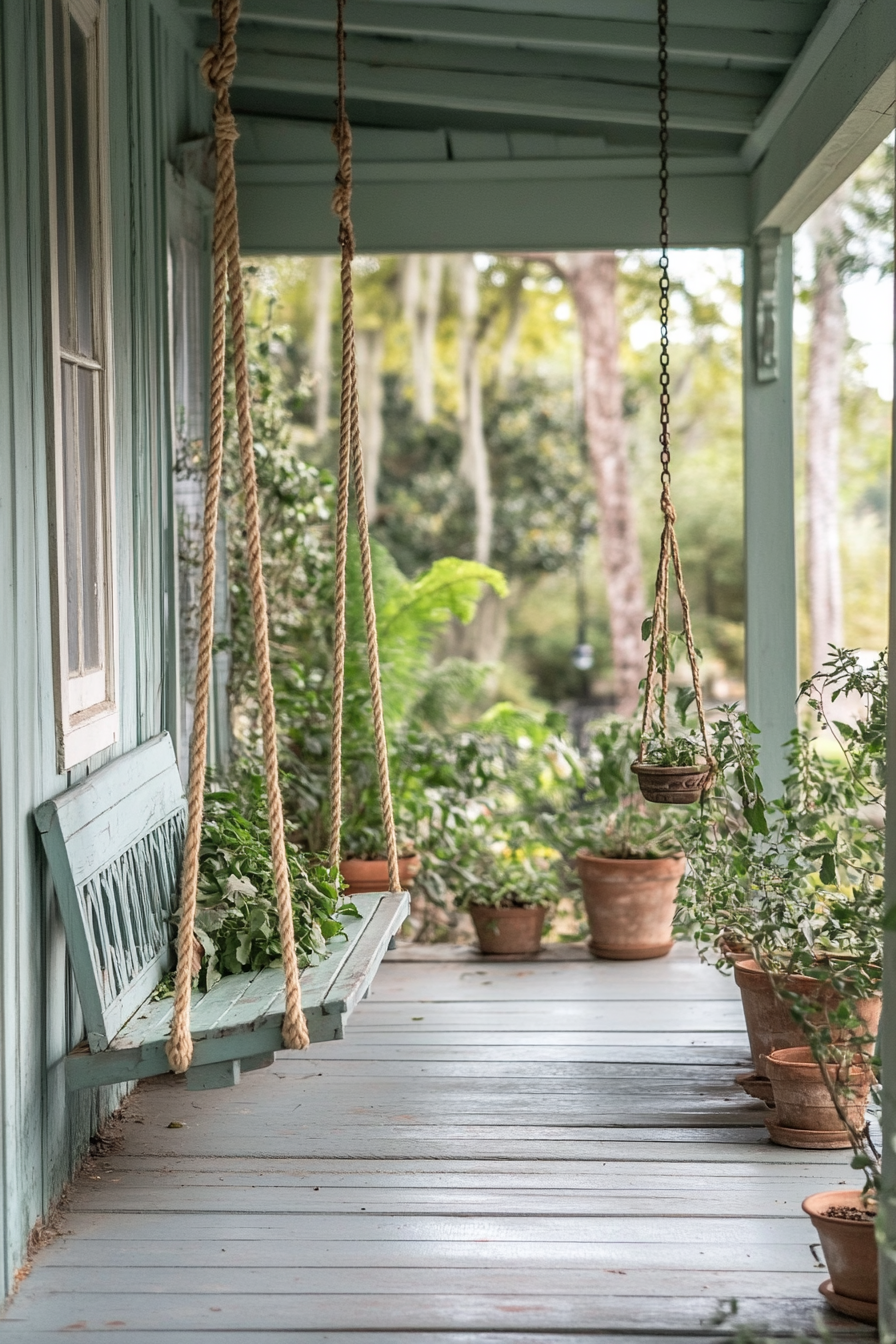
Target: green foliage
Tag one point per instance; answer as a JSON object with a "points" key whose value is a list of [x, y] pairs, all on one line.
{"points": [[609, 817], [799, 881], [236, 920], [495, 873]]}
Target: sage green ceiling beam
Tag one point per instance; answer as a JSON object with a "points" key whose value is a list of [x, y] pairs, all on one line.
{"points": [[443, 23], [749, 90], [760, 16], [571, 100], [845, 111], [452, 207]]}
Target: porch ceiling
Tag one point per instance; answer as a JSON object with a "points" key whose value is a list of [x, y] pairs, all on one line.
{"points": [[505, 124]]}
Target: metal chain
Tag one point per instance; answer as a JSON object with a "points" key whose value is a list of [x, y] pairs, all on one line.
{"points": [[663, 89]]}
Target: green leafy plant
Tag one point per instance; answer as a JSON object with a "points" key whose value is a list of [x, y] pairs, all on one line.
{"points": [[236, 921], [799, 881], [504, 870], [608, 817]]}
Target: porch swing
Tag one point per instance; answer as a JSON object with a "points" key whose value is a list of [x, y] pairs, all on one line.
{"points": [[116, 843]]}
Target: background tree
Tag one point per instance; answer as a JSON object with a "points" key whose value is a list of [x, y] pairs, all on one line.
{"points": [[592, 279]]}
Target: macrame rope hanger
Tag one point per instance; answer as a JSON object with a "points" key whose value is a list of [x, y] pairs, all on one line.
{"points": [[351, 471], [218, 65], [658, 656]]}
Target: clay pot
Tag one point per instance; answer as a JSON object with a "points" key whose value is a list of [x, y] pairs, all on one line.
{"points": [[364, 875], [672, 783], [508, 930], [805, 1115], [630, 904], [770, 1025], [850, 1253], [733, 952]]}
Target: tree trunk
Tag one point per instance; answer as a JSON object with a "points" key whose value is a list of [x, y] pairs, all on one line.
{"points": [[369, 353], [826, 352], [421, 292], [591, 277], [474, 455], [321, 341]]}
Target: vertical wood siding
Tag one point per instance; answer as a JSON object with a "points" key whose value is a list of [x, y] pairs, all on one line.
{"points": [[156, 102]]}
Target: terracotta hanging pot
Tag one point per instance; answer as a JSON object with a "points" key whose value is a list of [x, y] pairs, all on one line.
{"points": [[846, 1234], [508, 930], [805, 1114], [630, 904], [363, 875], [770, 1024], [672, 783]]}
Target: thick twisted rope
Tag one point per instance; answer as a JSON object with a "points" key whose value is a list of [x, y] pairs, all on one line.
{"points": [[218, 66], [351, 467], [659, 629]]}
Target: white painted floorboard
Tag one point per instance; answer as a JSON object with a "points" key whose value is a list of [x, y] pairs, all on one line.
{"points": [[513, 1153]]}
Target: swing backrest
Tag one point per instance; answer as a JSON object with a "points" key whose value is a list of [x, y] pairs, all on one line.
{"points": [[114, 845]]}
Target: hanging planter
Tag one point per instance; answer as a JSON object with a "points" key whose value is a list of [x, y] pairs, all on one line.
{"points": [[675, 784], [671, 769]]}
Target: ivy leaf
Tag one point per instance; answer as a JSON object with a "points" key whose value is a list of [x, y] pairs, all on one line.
{"points": [[646, 628], [755, 817], [828, 870]]}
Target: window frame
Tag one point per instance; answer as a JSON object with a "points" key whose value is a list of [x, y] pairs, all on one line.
{"points": [[87, 716]]}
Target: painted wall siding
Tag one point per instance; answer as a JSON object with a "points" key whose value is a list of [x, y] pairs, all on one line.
{"points": [[156, 101]]}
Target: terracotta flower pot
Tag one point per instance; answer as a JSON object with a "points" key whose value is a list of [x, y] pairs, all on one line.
{"points": [[672, 783], [630, 904], [733, 952], [508, 930], [805, 1115], [373, 874], [850, 1252], [770, 1025]]}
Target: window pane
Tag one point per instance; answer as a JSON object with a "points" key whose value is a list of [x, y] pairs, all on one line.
{"points": [[60, 104], [81, 188], [88, 462], [72, 513]]}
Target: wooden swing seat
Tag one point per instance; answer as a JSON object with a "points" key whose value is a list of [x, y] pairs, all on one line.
{"points": [[114, 846]]}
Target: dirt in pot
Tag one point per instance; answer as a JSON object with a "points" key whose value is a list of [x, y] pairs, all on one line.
{"points": [[849, 1214]]}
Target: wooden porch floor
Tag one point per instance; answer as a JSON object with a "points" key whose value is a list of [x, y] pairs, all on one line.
{"points": [[498, 1154]]}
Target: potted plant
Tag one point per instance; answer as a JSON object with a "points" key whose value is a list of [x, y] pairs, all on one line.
{"points": [[801, 881], [628, 853], [806, 1115], [673, 769], [508, 884]]}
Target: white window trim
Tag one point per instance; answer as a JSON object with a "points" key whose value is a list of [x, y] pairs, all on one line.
{"points": [[87, 717]]}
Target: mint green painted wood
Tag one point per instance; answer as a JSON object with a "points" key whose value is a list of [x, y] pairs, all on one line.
{"points": [[242, 1016], [207, 1077], [156, 100], [770, 528], [114, 846]]}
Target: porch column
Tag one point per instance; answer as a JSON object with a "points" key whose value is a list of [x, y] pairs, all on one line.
{"points": [[769, 519], [887, 1046]]}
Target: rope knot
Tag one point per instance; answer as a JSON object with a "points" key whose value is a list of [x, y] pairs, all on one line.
{"points": [[217, 66], [225, 125], [219, 62]]}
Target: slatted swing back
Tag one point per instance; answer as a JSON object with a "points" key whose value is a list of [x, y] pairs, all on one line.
{"points": [[114, 844]]}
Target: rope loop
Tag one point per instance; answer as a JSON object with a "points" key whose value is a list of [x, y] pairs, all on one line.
{"points": [[658, 653], [351, 470], [218, 65]]}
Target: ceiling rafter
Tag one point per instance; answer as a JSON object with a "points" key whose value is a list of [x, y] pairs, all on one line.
{"points": [[572, 100], [445, 23]]}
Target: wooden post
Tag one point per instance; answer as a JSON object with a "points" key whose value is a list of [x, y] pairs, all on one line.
{"points": [[887, 1047], [769, 518]]}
